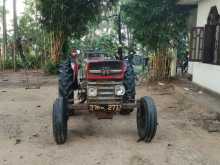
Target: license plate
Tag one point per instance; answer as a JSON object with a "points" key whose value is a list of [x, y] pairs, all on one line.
{"points": [[105, 108]]}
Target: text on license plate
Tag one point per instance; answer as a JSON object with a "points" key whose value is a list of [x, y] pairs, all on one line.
{"points": [[111, 108]]}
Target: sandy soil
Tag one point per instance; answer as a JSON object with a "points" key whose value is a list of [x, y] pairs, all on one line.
{"points": [[26, 132]]}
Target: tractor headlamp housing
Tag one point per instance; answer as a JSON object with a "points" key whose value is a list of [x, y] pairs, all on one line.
{"points": [[92, 91], [119, 90]]}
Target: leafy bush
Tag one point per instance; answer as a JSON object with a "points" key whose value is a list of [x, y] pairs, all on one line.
{"points": [[33, 62], [51, 68], [9, 64]]}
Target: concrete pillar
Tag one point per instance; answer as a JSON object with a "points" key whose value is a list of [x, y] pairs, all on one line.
{"points": [[173, 63]]}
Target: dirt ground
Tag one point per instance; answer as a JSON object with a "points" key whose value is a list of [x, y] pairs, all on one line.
{"points": [[26, 131]]}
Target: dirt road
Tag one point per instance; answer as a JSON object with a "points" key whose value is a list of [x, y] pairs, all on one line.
{"points": [[26, 133]]}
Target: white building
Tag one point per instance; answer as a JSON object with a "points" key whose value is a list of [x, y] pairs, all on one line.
{"points": [[204, 65]]}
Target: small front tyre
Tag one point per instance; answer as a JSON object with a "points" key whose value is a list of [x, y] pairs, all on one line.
{"points": [[60, 121], [146, 119]]}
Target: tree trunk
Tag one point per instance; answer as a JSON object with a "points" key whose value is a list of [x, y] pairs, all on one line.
{"points": [[120, 51], [57, 44], [4, 35], [15, 32]]}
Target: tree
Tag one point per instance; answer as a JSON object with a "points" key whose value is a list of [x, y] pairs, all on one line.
{"points": [[15, 32], [69, 18], [160, 26], [1, 13], [1, 19], [4, 33], [1, 39], [36, 41], [157, 24]]}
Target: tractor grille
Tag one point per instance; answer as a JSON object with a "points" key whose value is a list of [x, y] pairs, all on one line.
{"points": [[106, 93], [105, 65], [106, 70]]}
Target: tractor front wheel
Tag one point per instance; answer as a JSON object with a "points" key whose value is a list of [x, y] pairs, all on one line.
{"points": [[146, 119], [60, 117]]}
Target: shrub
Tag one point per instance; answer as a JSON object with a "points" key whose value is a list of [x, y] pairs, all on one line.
{"points": [[8, 63], [33, 62], [51, 68]]}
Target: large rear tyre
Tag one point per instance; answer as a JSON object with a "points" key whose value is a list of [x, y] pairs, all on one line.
{"points": [[60, 117], [146, 119], [66, 81], [129, 84]]}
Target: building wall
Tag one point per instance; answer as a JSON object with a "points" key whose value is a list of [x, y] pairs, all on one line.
{"points": [[187, 2], [203, 10], [192, 19], [190, 67], [207, 76]]}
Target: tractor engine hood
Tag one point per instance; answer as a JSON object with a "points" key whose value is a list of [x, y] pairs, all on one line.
{"points": [[105, 70]]}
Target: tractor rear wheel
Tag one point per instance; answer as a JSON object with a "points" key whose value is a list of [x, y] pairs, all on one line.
{"points": [[66, 81], [60, 117], [146, 119], [129, 84]]}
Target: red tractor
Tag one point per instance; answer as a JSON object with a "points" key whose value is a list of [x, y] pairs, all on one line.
{"points": [[104, 87]]}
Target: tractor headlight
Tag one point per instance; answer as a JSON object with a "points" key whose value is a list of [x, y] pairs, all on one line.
{"points": [[119, 90], [92, 91]]}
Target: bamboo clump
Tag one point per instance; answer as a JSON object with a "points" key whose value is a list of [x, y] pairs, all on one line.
{"points": [[159, 68]]}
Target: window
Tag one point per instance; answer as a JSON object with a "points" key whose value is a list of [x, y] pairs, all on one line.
{"points": [[205, 41], [197, 44]]}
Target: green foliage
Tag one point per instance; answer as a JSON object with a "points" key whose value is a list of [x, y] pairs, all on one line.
{"points": [[182, 48], [156, 24], [9, 63], [33, 62], [71, 17], [106, 43], [1, 13], [51, 68], [30, 30], [35, 41]]}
